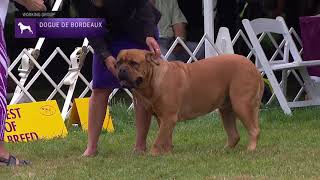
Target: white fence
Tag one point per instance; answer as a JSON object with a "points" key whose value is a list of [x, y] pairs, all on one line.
{"points": [[28, 63]]}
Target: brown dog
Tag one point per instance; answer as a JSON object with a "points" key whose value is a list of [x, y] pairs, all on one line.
{"points": [[175, 91]]}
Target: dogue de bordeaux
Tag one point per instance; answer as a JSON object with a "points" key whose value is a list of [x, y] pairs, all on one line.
{"points": [[175, 91]]}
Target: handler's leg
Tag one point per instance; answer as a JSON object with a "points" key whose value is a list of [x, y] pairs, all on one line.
{"points": [[5, 157], [97, 111], [143, 120], [3, 152]]}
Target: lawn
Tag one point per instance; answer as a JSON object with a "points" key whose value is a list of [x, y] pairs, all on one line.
{"points": [[289, 148]]}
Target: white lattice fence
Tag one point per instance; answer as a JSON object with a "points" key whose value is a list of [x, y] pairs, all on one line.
{"points": [[28, 58], [28, 63], [22, 92]]}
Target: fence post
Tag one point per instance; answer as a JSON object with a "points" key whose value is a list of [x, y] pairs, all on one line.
{"points": [[208, 14]]}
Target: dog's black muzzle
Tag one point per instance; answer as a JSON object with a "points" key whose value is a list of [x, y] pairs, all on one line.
{"points": [[123, 75], [126, 81]]}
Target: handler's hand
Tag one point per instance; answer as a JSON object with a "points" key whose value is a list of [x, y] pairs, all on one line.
{"points": [[110, 63], [34, 5], [153, 46]]}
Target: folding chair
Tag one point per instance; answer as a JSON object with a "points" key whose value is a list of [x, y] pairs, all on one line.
{"points": [[278, 26], [223, 42]]}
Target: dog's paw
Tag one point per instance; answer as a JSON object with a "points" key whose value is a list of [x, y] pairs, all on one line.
{"points": [[157, 150], [138, 151], [155, 153], [232, 142], [227, 147]]}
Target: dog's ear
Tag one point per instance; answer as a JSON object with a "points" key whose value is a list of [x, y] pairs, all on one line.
{"points": [[152, 58], [122, 54]]}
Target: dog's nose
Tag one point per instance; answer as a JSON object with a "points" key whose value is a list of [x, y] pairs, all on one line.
{"points": [[122, 70], [123, 74]]}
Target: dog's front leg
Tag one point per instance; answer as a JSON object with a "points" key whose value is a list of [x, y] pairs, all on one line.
{"points": [[163, 143], [143, 120]]}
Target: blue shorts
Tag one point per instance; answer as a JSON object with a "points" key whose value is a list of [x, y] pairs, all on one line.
{"points": [[102, 78]]}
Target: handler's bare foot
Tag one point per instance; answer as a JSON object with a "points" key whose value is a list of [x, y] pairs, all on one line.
{"points": [[90, 152]]}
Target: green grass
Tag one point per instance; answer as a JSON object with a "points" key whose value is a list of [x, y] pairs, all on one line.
{"points": [[289, 148]]}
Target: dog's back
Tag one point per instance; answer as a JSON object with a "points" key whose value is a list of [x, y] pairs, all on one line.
{"points": [[214, 81]]}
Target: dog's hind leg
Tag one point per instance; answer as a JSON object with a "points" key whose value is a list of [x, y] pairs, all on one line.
{"points": [[249, 117], [246, 103], [229, 122]]}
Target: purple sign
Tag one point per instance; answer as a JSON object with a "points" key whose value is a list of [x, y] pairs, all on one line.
{"points": [[59, 27], [310, 31]]}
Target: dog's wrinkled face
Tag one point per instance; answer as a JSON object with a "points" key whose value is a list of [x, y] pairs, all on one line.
{"points": [[133, 67]]}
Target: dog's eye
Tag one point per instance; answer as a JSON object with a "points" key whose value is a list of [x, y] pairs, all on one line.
{"points": [[133, 63], [118, 63]]}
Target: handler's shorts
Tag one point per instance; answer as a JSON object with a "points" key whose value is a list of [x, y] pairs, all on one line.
{"points": [[102, 78]]}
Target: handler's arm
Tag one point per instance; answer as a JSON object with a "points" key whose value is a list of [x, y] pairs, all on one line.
{"points": [[143, 25], [141, 20], [151, 17], [32, 5], [99, 44], [100, 47]]}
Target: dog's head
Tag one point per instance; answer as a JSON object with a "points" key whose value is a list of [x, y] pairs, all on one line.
{"points": [[134, 67], [19, 24]]}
